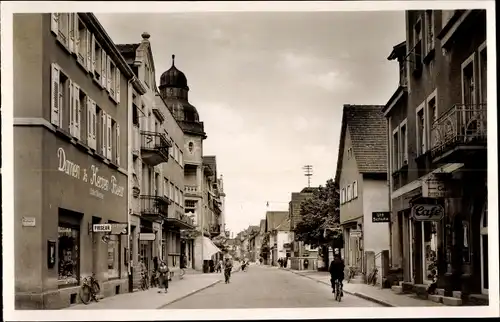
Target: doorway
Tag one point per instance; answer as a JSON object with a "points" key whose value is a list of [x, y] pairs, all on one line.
{"points": [[484, 249], [429, 251]]}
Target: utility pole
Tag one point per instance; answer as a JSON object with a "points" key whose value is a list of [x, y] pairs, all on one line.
{"points": [[308, 173]]}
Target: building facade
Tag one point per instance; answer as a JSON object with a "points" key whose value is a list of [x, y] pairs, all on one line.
{"points": [[362, 177], [71, 163], [297, 198], [437, 139]]}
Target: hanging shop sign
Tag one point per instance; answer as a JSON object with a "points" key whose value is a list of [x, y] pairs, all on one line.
{"points": [[147, 236], [97, 183], [434, 187], [119, 229], [381, 216], [101, 228], [425, 212]]}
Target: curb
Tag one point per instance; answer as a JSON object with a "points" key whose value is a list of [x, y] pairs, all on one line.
{"points": [[189, 294], [360, 295]]}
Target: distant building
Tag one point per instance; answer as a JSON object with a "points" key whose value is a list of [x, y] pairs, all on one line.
{"points": [[362, 178], [273, 221], [297, 247]]}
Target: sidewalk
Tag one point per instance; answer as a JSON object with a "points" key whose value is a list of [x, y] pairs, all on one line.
{"points": [[151, 299], [385, 297]]}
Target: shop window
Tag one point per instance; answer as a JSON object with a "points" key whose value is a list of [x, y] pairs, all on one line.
{"points": [[114, 256], [430, 250], [69, 255]]}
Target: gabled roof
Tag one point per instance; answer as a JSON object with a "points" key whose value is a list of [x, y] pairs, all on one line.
{"points": [[284, 225], [274, 219], [398, 51], [368, 131]]}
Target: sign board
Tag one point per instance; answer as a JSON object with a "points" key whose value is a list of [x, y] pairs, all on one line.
{"points": [[28, 221], [381, 216], [355, 233], [427, 212], [434, 187], [147, 236], [101, 228], [119, 229]]}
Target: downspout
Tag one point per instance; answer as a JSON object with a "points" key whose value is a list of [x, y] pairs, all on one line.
{"points": [[129, 189], [389, 183]]}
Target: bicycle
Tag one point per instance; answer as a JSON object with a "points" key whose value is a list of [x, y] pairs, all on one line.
{"points": [[352, 272], [372, 277], [90, 289], [155, 280], [144, 281], [338, 290]]}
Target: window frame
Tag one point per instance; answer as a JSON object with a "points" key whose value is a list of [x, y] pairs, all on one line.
{"points": [[403, 144], [119, 246], [395, 153], [482, 48], [421, 150], [430, 22], [355, 189], [432, 96], [75, 227]]}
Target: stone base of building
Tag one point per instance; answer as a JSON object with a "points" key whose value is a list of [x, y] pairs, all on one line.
{"points": [[65, 297]]}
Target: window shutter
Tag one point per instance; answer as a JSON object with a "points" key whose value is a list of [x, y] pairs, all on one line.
{"points": [[108, 73], [71, 110], [117, 87], [109, 143], [89, 122], [93, 54], [103, 68], [88, 45], [71, 27], [54, 23], [76, 111], [94, 125], [103, 133], [54, 118], [78, 114], [118, 144], [77, 36]]}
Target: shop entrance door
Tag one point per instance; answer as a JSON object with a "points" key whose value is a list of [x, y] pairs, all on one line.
{"points": [[484, 250], [146, 251], [429, 251]]}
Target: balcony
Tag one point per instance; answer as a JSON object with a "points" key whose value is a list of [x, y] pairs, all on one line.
{"points": [[180, 220], [459, 133], [214, 230], [154, 207], [192, 191], [154, 148]]}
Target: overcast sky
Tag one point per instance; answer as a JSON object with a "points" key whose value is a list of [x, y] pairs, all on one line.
{"points": [[270, 89]]}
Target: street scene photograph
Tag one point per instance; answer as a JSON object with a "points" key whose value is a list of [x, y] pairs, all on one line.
{"points": [[176, 159]]}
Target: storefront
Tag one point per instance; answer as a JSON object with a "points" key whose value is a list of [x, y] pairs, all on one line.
{"points": [[76, 191], [354, 244]]}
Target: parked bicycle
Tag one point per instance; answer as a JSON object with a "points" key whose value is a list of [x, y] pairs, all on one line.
{"points": [[338, 290], [155, 279], [144, 281], [372, 277], [90, 289], [352, 273]]}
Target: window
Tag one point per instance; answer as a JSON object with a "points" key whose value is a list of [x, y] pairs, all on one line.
{"points": [[432, 114], [75, 111], [354, 189], [349, 192], [165, 187], [97, 62], [109, 138], [103, 133], [482, 74], [114, 246], [181, 158], [115, 146], [403, 132], [176, 195], [421, 146], [61, 99], [181, 201], [417, 49], [343, 196], [60, 26], [69, 255], [429, 35], [114, 79], [468, 84], [171, 192], [395, 149], [82, 43], [91, 123]]}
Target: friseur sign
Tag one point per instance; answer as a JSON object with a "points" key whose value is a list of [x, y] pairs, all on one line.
{"points": [[381, 216], [426, 212]]}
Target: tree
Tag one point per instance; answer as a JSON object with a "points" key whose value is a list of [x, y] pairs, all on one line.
{"points": [[320, 219]]}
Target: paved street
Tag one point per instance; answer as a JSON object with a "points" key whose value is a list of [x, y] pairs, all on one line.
{"points": [[267, 287]]}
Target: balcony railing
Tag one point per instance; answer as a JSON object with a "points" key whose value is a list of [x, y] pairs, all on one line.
{"points": [[180, 220], [459, 126], [155, 207], [154, 147]]}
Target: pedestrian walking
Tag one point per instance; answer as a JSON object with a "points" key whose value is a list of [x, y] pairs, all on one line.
{"points": [[164, 272], [228, 266]]}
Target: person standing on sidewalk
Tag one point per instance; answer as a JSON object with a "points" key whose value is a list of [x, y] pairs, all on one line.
{"points": [[163, 269], [337, 272]]}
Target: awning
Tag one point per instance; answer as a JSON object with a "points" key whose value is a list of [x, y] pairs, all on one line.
{"points": [[209, 248]]}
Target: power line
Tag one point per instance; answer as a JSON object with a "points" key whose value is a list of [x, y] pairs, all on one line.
{"points": [[308, 173]]}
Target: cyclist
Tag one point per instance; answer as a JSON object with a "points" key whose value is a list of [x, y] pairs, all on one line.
{"points": [[228, 266], [337, 271]]}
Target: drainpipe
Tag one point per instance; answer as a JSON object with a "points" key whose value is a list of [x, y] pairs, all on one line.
{"points": [[129, 185], [389, 183]]}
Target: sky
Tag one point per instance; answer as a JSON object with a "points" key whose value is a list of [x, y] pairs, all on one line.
{"points": [[269, 87]]}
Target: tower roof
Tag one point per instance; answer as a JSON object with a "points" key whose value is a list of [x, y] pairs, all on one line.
{"points": [[173, 77]]}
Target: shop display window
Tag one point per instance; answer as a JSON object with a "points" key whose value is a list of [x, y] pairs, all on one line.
{"points": [[69, 255]]}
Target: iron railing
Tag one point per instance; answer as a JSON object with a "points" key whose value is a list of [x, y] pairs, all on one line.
{"points": [[154, 206], [461, 125], [155, 141]]}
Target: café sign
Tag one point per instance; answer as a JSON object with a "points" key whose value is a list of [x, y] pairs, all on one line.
{"points": [[425, 212], [92, 177]]}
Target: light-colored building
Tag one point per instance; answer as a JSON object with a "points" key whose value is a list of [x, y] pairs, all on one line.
{"points": [[273, 221], [362, 177], [70, 156], [174, 90]]}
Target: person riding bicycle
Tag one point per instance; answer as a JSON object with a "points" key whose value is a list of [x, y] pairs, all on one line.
{"points": [[337, 272], [228, 267]]}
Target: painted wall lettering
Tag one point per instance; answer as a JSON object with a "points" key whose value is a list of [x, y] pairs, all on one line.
{"points": [[74, 170]]}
